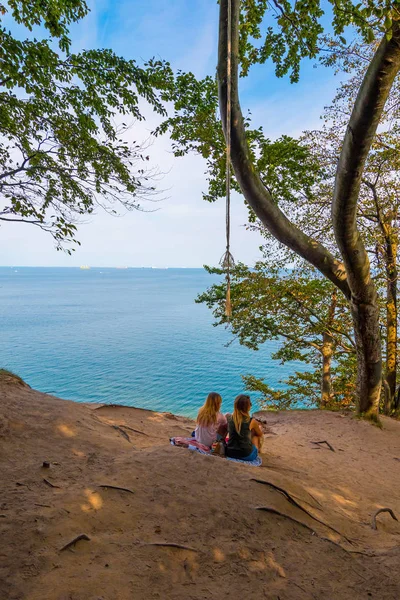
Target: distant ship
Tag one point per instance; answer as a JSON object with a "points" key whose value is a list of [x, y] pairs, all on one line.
{"points": [[85, 267]]}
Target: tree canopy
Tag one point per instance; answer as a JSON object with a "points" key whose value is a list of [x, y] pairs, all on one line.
{"points": [[287, 33], [64, 117], [309, 322]]}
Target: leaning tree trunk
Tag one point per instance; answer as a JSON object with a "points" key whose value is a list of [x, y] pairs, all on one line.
{"points": [[365, 118], [326, 383], [327, 354], [357, 142], [256, 193], [391, 323], [389, 251]]}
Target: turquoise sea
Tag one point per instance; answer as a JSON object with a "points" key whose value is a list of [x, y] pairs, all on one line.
{"points": [[124, 336]]}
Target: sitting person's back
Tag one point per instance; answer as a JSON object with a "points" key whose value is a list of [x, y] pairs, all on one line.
{"points": [[210, 422], [245, 434]]}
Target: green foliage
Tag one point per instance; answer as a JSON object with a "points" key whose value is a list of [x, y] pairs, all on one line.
{"points": [[287, 32], [286, 164], [294, 308], [299, 175], [63, 147], [54, 15], [378, 207], [302, 390]]}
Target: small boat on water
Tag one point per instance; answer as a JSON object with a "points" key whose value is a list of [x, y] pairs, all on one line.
{"points": [[85, 267]]}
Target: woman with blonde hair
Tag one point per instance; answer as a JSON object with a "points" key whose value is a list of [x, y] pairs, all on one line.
{"points": [[245, 433], [210, 423]]}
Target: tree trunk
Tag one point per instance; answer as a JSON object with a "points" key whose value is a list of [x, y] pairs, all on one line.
{"points": [[326, 383], [391, 323], [255, 192], [369, 361], [327, 354], [359, 136], [387, 224]]}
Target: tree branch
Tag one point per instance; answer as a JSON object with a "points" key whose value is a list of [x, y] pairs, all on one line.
{"points": [[256, 194], [329, 329], [358, 139]]}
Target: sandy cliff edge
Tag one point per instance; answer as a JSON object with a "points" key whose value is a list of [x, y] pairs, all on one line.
{"points": [[187, 526]]}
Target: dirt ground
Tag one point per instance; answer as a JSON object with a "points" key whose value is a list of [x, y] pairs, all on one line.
{"points": [[184, 526]]}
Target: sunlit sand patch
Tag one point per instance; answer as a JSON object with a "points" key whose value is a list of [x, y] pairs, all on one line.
{"points": [[349, 513], [66, 431], [158, 417], [258, 565], [345, 490], [94, 501], [110, 421], [219, 556], [271, 562], [178, 564], [343, 501], [192, 563], [78, 453], [317, 493]]}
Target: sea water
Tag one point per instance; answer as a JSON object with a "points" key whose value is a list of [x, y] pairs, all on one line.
{"points": [[125, 336]]}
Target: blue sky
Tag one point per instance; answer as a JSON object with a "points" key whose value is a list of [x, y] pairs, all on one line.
{"points": [[185, 231]]}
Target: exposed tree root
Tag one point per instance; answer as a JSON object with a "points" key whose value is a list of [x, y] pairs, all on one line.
{"points": [[382, 510], [47, 482], [116, 487], [325, 442], [171, 545], [82, 536], [299, 506], [122, 432], [135, 430], [285, 493], [301, 588], [274, 511]]}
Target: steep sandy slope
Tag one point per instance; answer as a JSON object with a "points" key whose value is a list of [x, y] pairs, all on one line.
{"points": [[321, 545]]}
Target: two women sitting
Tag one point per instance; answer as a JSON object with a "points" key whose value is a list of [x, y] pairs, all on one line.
{"points": [[244, 433]]}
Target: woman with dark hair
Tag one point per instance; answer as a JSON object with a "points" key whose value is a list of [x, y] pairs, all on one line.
{"points": [[245, 433]]}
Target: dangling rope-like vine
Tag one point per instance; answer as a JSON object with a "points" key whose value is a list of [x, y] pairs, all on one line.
{"points": [[227, 260]]}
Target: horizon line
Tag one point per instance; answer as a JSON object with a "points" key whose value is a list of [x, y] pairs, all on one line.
{"points": [[88, 267]]}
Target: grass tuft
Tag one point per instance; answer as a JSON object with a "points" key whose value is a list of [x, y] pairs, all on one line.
{"points": [[372, 418], [10, 377]]}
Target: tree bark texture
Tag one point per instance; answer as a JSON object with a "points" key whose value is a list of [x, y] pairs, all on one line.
{"points": [[357, 142], [255, 192], [327, 354], [326, 384], [352, 278], [391, 322]]}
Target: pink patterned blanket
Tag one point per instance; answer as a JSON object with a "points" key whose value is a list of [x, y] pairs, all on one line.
{"points": [[189, 441]]}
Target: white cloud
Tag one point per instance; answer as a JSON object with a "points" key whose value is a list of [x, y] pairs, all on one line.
{"points": [[186, 231]]}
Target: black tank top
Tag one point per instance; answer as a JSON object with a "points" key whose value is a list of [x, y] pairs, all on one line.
{"points": [[239, 444]]}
